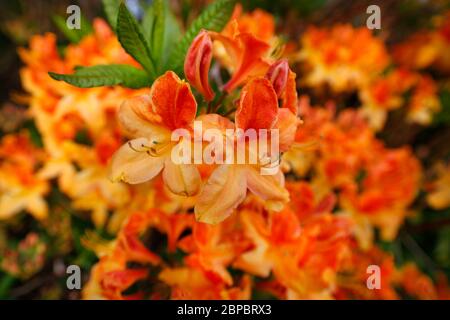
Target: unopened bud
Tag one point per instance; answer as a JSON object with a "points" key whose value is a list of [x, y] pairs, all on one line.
{"points": [[197, 64]]}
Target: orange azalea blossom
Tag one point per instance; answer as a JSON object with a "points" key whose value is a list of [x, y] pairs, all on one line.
{"points": [[50, 100], [342, 57], [112, 275], [259, 23], [352, 275], [87, 183], [439, 189], [245, 46], [387, 93], [150, 120], [406, 281], [427, 48], [20, 186], [416, 284], [171, 106], [303, 257], [305, 202], [212, 248], [257, 109], [63, 113], [388, 188], [349, 158], [193, 284]]}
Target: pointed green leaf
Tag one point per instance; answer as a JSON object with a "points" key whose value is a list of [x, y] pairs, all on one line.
{"points": [[157, 36], [105, 75], [162, 31], [111, 8], [213, 18], [132, 39]]}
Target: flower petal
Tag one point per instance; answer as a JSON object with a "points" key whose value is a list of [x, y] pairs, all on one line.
{"points": [[251, 63], [225, 190], [132, 164], [198, 62], [290, 96], [245, 54], [258, 105], [287, 123], [138, 120], [182, 179], [268, 187], [278, 75], [173, 101]]}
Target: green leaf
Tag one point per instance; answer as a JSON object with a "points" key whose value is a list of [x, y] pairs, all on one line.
{"points": [[162, 31], [442, 250], [443, 117], [73, 35], [35, 135], [105, 75], [111, 8], [213, 18], [6, 283], [157, 35], [132, 39]]}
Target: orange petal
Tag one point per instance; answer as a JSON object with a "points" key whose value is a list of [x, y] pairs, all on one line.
{"points": [[136, 250], [138, 120], [246, 55], [251, 63], [198, 62], [285, 226], [225, 190], [173, 101], [119, 280], [289, 98], [258, 105], [215, 121], [287, 123]]}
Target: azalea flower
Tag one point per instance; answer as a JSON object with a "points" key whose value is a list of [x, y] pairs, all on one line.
{"points": [[245, 46], [387, 93], [427, 48], [20, 186], [193, 284], [342, 56], [227, 186], [150, 120], [304, 259], [439, 189]]}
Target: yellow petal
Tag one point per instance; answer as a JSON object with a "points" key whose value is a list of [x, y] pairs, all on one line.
{"points": [[132, 164], [268, 187], [182, 179], [225, 189]]}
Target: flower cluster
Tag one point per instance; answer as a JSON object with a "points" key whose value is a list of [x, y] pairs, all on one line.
{"points": [[373, 184], [347, 59], [302, 220], [267, 100]]}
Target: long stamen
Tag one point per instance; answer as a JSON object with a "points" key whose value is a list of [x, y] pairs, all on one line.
{"points": [[157, 151]]}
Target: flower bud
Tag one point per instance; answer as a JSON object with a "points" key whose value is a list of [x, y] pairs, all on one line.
{"points": [[278, 75], [197, 64]]}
